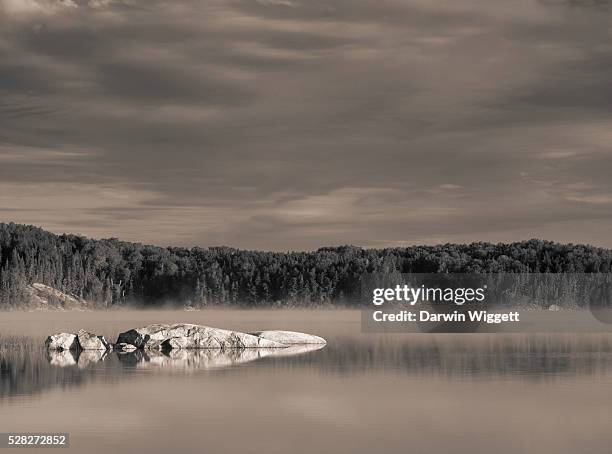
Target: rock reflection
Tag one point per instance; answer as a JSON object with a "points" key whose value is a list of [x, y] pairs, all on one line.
{"points": [[63, 358], [185, 359], [88, 357]]}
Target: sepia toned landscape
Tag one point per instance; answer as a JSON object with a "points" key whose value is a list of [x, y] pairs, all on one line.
{"points": [[306, 226]]}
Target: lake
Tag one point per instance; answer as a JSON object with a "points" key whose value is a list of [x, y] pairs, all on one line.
{"points": [[362, 393]]}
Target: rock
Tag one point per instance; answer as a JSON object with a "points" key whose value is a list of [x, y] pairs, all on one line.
{"points": [[290, 337], [123, 347], [43, 297], [188, 336], [554, 307], [82, 340], [62, 341], [89, 341]]}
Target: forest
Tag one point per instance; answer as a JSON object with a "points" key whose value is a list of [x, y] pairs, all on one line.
{"points": [[110, 272]]}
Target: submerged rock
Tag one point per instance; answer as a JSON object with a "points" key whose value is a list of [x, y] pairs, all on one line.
{"points": [[89, 341], [62, 341], [188, 336], [290, 337]]}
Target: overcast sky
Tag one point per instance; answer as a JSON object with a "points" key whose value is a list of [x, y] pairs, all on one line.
{"points": [[295, 124]]}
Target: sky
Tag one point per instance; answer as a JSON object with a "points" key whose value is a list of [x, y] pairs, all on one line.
{"points": [[296, 124]]}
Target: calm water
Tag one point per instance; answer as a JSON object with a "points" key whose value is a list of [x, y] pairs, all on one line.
{"points": [[422, 393]]}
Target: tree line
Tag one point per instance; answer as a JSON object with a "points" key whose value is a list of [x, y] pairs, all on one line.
{"points": [[111, 272]]}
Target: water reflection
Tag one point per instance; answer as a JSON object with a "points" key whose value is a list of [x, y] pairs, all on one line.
{"points": [[81, 359], [208, 358], [64, 358], [177, 359], [26, 368], [30, 369], [89, 357]]}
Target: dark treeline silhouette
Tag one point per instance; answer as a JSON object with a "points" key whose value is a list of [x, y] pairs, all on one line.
{"points": [[112, 272]]}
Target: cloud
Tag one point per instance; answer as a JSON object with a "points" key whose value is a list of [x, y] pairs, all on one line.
{"points": [[597, 199], [288, 125], [26, 8]]}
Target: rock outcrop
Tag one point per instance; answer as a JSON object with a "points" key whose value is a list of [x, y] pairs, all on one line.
{"points": [[290, 337], [82, 340], [89, 341], [43, 297], [181, 346], [180, 336], [188, 336], [62, 341]]}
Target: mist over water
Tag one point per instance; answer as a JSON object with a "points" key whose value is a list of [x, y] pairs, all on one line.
{"points": [[359, 393]]}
